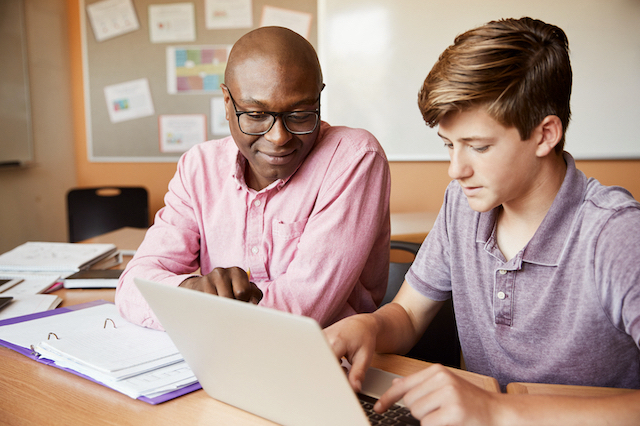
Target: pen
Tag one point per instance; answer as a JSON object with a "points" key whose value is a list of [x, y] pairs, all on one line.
{"points": [[253, 300]]}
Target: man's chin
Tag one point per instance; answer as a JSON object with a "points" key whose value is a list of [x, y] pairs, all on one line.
{"points": [[480, 206]]}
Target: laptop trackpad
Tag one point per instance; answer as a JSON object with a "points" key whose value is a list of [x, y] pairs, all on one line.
{"points": [[376, 382]]}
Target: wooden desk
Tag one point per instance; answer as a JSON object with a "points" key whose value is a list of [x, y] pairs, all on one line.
{"points": [[563, 390], [127, 238], [34, 393], [42, 394]]}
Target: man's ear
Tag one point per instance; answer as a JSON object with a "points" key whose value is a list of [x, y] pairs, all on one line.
{"points": [[549, 133], [227, 100]]}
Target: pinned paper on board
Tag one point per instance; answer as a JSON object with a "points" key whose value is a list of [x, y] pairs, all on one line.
{"points": [[170, 23], [111, 18], [299, 22], [219, 123], [196, 69], [226, 14], [129, 100], [179, 132]]}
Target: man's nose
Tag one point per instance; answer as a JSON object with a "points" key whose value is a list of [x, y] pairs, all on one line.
{"points": [[459, 167], [278, 135]]}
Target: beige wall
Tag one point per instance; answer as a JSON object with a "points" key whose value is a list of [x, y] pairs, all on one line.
{"points": [[33, 197], [420, 185], [38, 212]]}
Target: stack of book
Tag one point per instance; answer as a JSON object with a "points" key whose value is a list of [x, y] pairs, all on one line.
{"points": [[55, 257], [32, 269]]}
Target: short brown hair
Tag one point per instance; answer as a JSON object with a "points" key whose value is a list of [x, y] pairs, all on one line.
{"points": [[518, 68]]}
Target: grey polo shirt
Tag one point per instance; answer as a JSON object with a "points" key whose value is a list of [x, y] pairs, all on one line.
{"points": [[565, 309]]}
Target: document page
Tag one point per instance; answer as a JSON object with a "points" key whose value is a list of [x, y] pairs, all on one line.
{"points": [[97, 342]]}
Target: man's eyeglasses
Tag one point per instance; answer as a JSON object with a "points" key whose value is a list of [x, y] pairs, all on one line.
{"points": [[256, 123]]}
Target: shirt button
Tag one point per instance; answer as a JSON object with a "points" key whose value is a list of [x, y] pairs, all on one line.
{"points": [[501, 295], [502, 272], [256, 203], [254, 250]]}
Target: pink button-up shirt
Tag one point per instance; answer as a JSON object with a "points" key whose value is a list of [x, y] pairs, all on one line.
{"points": [[317, 243]]}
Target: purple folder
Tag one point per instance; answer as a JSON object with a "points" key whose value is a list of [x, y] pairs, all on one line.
{"points": [[29, 353]]}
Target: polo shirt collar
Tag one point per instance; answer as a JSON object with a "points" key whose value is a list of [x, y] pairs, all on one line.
{"points": [[549, 240]]}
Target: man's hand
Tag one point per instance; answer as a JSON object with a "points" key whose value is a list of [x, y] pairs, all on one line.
{"points": [[436, 396], [226, 282], [354, 338]]}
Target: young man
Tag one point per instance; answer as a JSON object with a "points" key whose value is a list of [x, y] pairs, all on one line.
{"points": [[541, 262], [288, 211]]}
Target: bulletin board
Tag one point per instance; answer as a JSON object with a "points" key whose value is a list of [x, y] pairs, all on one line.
{"points": [[376, 54], [124, 68]]}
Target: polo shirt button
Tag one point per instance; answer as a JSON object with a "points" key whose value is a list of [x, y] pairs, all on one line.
{"points": [[501, 295], [502, 272], [254, 250], [256, 203]]}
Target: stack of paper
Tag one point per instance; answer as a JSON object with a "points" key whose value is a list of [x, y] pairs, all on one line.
{"points": [[27, 294], [37, 266], [99, 344], [54, 257]]}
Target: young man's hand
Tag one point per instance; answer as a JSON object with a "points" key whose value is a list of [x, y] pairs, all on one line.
{"points": [[355, 339], [436, 396], [226, 282]]}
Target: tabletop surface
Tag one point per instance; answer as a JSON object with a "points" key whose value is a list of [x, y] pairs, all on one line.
{"points": [[41, 394]]}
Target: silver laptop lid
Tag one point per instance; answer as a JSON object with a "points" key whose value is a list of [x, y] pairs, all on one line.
{"points": [[270, 363]]}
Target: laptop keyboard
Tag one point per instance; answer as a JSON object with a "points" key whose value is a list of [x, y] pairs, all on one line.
{"points": [[396, 415]]}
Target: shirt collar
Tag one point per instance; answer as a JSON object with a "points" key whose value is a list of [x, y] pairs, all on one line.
{"points": [[238, 175], [241, 164], [549, 240]]}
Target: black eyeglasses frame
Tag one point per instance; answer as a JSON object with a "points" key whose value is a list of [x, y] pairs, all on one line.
{"points": [[275, 116]]}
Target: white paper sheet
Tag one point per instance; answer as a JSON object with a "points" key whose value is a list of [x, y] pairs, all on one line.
{"points": [[169, 23], [226, 14], [111, 18], [299, 22], [129, 100], [179, 132]]}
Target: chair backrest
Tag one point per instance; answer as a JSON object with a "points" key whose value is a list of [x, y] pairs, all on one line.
{"points": [[440, 341], [397, 270], [94, 211]]}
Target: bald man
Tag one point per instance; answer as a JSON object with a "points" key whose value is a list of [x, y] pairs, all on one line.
{"points": [[288, 212]]}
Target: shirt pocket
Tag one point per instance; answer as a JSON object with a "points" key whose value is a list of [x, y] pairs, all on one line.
{"points": [[286, 237], [287, 231]]}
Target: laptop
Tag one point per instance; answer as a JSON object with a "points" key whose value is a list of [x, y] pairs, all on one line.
{"points": [[273, 364]]}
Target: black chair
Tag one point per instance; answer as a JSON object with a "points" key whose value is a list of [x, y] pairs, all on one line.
{"points": [[440, 341], [95, 211]]}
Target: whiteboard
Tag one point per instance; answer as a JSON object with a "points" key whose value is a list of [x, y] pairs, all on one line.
{"points": [[376, 54], [16, 138]]}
